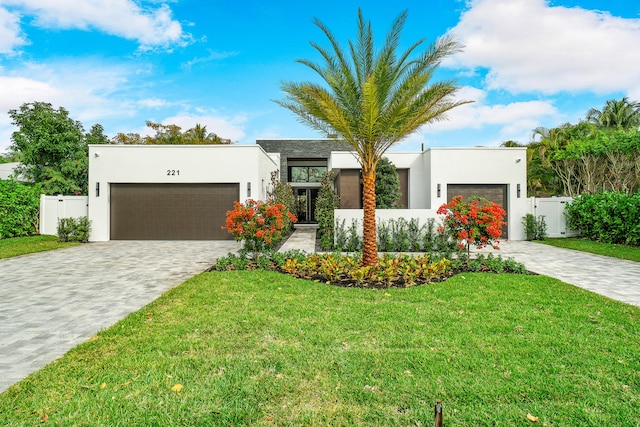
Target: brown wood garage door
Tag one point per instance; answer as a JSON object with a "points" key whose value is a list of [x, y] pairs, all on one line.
{"points": [[496, 193], [171, 211]]}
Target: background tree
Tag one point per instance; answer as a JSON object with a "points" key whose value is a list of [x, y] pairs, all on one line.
{"points": [[8, 158], [387, 185], [587, 158], [616, 114], [52, 147], [171, 134], [374, 99]]}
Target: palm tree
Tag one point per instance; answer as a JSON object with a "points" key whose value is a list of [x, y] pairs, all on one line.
{"points": [[373, 100], [616, 114]]}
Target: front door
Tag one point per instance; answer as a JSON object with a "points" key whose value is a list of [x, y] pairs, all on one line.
{"points": [[306, 204]]}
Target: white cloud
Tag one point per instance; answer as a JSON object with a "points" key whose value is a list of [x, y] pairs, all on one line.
{"points": [[150, 27], [530, 46], [15, 91], [90, 90], [213, 56], [152, 103], [10, 34], [514, 120]]}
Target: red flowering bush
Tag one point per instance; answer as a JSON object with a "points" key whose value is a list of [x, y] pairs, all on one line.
{"points": [[258, 224], [478, 222]]}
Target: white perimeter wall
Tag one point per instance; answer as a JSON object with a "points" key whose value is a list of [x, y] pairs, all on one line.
{"points": [[243, 164], [553, 211], [53, 208]]}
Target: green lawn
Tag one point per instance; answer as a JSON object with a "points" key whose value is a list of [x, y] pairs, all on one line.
{"points": [[26, 245], [631, 253], [260, 348]]}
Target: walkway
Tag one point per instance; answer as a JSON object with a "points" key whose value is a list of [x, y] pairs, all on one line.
{"points": [[52, 301], [303, 239]]}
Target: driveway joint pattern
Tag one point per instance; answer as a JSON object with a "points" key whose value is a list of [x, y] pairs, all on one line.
{"points": [[52, 301]]}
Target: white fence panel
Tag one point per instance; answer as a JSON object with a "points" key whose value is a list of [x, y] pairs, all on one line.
{"points": [[552, 208], [54, 207]]}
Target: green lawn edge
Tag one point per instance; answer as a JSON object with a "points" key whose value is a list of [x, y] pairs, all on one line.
{"points": [[630, 253], [262, 348], [17, 246]]}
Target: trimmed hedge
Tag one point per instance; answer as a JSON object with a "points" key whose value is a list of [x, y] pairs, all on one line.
{"points": [[606, 217], [19, 209]]}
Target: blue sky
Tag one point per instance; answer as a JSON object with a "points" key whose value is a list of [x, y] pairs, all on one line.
{"points": [[527, 63]]}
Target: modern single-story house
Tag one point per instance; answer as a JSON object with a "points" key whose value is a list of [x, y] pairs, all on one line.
{"points": [[172, 192], [178, 192]]}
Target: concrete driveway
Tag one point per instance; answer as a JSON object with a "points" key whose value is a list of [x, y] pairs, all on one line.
{"points": [[52, 301]]}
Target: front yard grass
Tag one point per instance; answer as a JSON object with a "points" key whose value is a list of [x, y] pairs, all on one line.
{"points": [[261, 348], [631, 253], [26, 245]]}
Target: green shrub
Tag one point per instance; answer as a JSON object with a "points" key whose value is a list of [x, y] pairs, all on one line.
{"points": [[399, 235], [19, 209], [606, 217], [489, 264], [346, 270], [259, 225], [387, 185], [535, 228], [326, 202], [282, 193], [74, 229]]}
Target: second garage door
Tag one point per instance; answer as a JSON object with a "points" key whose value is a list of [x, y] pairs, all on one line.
{"points": [[496, 193], [171, 211]]}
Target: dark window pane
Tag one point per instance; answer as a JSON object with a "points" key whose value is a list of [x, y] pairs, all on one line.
{"points": [[299, 174], [316, 173]]}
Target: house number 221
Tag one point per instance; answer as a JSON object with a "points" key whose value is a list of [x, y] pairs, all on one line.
{"points": [[173, 172]]}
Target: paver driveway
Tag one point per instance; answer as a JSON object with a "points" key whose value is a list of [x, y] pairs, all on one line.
{"points": [[52, 301], [615, 278]]}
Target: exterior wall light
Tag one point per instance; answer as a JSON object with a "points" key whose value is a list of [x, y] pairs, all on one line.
{"points": [[439, 190], [97, 189], [248, 189], [518, 191]]}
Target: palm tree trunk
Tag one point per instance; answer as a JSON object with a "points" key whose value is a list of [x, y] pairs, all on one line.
{"points": [[369, 243]]}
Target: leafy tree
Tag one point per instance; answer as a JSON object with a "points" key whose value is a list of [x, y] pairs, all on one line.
{"points": [[52, 147], [282, 193], [171, 134], [128, 139], [373, 100], [587, 159], [387, 185], [96, 135], [616, 114], [8, 158]]}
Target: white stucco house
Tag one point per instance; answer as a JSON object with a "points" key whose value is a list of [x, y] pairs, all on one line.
{"points": [[8, 170], [182, 192]]}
